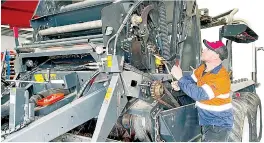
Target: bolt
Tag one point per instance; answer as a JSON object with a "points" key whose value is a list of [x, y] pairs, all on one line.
{"points": [[105, 84], [109, 31]]}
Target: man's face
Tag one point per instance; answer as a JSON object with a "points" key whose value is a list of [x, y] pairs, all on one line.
{"points": [[208, 55]]}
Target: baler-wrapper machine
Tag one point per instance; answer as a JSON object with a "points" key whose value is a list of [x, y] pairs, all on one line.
{"points": [[100, 71]]}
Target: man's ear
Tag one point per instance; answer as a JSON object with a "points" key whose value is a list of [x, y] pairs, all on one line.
{"points": [[215, 56]]}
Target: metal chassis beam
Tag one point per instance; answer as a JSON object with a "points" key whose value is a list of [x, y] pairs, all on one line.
{"points": [[62, 120], [114, 102], [67, 137]]}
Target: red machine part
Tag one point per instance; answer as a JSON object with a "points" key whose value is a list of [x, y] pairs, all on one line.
{"points": [[2, 56], [50, 99], [17, 13]]}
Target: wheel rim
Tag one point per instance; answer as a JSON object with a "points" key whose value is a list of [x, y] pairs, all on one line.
{"points": [[258, 120], [245, 137]]}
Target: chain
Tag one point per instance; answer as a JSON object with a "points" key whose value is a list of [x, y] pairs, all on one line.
{"points": [[24, 124], [173, 100], [163, 102], [157, 129], [18, 127]]}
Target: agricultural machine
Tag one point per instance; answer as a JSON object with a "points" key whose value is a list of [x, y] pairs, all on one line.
{"points": [[100, 71]]}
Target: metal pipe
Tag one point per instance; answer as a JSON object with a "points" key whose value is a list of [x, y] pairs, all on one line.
{"points": [[222, 14], [63, 43], [254, 51], [68, 39], [96, 40], [231, 16], [86, 3], [254, 63], [230, 57], [108, 42], [24, 81], [71, 28], [254, 74]]}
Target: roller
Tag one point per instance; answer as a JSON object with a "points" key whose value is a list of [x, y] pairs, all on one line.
{"points": [[71, 28], [86, 3]]}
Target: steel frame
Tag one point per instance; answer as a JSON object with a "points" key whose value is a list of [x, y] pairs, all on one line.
{"points": [[114, 102], [62, 120]]}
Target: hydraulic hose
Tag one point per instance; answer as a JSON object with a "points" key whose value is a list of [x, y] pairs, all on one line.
{"points": [[129, 13], [89, 82]]}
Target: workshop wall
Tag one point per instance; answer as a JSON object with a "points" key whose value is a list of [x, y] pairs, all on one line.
{"points": [[8, 42]]}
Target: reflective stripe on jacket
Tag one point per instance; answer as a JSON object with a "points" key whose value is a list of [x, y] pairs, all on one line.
{"points": [[211, 92]]}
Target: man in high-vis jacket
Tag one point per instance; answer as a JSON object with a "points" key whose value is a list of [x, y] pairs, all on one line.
{"points": [[209, 86]]}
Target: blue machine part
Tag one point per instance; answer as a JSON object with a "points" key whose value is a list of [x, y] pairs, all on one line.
{"points": [[7, 61]]}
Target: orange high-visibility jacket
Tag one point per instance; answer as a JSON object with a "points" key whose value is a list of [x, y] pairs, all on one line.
{"points": [[210, 90]]}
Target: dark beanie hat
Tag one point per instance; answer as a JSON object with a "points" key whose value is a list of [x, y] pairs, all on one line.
{"points": [[218, 47]]}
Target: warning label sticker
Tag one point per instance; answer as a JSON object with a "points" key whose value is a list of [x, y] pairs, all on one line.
{"points": [[40, 77], [108, 94]]}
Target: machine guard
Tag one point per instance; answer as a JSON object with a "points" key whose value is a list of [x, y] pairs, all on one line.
{"points": [[239, 33]]}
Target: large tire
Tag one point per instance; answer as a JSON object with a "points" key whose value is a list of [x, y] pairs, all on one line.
{"points": [[245, 110], [254, 105], [240, 111]]}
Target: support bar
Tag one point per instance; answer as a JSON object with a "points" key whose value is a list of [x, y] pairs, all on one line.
{"points": [[62, 43], [113, 105], [68, 39]]}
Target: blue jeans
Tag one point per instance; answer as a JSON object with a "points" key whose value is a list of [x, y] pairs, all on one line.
{"points": [[215, 133]]}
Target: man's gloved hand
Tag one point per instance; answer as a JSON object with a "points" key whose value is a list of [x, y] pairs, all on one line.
{"points": [[176, 72], [175, 85]]}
